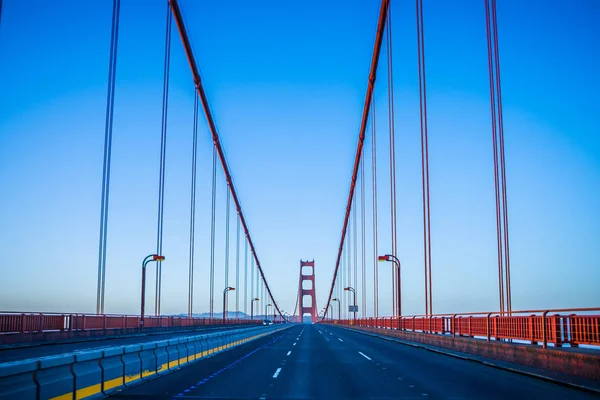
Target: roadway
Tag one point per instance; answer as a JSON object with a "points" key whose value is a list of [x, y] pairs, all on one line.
{"points": [[325, 362], [8, 354]]}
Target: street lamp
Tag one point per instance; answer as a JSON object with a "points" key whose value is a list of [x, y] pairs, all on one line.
{"points": [[351, 289], [252, 307], [394, 259], [339, 307], [151, 257], [227, 289], [266, 310]]}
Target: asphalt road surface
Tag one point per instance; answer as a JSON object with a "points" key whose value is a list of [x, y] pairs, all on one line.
{"points": [[324, 362]]}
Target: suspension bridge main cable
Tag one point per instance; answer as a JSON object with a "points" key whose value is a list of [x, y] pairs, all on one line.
{"points": [[216, 140], [361, 137], [108, 130]]}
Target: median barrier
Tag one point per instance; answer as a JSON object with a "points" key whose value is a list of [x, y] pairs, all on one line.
{"points": [[132, 365], [113, 371], [98, 373], [88, 374], [17, 380]]}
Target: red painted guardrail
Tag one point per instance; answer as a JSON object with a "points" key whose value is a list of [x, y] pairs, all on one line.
{"points": [[48, 322], [556, 327]]}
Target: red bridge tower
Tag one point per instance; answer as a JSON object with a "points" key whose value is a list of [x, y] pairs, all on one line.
{"points": [[307, 274]]}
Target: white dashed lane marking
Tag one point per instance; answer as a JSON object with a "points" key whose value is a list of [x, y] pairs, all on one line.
{"points": [[289, 352], [364, 355], [276, 374]]}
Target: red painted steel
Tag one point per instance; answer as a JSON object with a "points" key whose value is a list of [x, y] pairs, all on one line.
{"points": [[557, 327], [215, 136], [46, 322], [361, 138], [312, 310]]}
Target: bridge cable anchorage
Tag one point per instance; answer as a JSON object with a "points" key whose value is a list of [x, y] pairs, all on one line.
{"points": [[374, 215], [163, 150], [396, 288], [174, 6], [108, 129], [504, 290], [193, 209], [212, 235], [424, 158]]}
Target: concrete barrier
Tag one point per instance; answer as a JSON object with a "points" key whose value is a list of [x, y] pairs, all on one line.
{"points": [[88, 375], [148, 361], [162, 357], [98, 373], [113, 371], [17, 380], [132, 365], [55, 377]]}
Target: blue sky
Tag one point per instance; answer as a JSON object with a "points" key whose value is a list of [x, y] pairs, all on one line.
{"points": [[286, 83]]}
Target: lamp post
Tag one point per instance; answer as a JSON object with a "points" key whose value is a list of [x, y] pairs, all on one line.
{"points": [[266, 311], [351, 289], [394, 259], [227, 289], [252, 307], [151, 257], [339, 307]]}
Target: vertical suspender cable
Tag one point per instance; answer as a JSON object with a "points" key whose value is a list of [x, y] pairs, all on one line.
{"points": [[252, 295], [246, 277], [375, 251], [215, 135], [424, 158], [212, 235], [395, 300], [193, 208], [237, 269], [363, 239], [495, 152], [108, 125], [163, 149], [361, 137], [502, 162], [355, 237], [227, 212]]}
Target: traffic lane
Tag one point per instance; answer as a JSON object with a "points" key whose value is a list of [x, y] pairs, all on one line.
{"points": [[441, 376], [243, 372], [326, 368], [43, 350]]}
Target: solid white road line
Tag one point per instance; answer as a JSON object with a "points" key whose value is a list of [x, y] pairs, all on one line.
{"points": [[289, 352], [276, 374], [364, 355]]}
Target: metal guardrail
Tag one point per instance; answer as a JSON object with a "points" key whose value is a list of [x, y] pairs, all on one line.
{"points": [[48, 322], [557, 327]]}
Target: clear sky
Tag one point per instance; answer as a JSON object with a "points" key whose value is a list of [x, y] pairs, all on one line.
{"points": [[286, 82]]}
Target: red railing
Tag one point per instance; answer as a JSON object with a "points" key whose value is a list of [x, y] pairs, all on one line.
{"points": [[47, 322], [557, 327]]}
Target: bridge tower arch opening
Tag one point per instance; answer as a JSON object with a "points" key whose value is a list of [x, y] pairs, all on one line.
{"points": [[307, 297]]}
